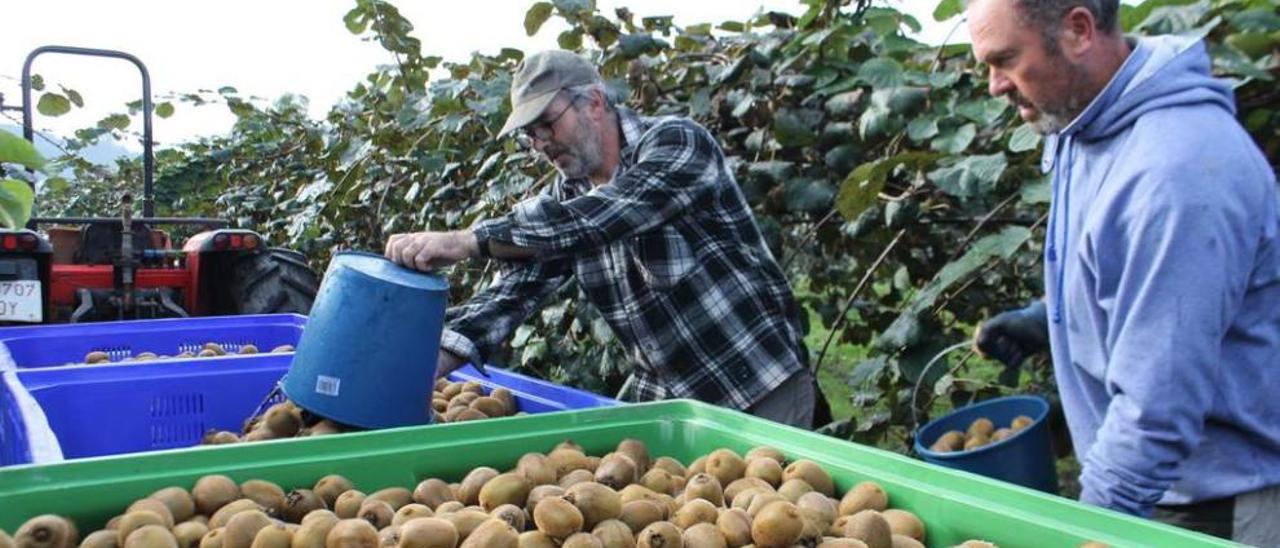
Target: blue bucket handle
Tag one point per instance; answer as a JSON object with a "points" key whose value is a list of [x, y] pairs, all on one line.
{"points": [[915, 390]]}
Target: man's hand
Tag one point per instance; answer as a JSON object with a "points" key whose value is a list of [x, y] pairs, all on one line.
{"points": [[447, 363], [428, 250], [1012, 336]]}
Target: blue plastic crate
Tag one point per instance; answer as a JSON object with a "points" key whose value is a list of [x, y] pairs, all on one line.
{"points": [[58, 413], [59, 345]]}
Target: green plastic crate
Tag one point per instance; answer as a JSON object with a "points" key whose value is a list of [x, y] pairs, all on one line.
{"points": [[955, 506]]}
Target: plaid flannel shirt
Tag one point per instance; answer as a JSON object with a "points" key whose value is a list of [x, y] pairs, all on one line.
{"points": [[670, 254]]}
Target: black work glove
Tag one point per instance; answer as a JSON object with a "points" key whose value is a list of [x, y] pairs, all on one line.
{"points": [[1014, 335]]}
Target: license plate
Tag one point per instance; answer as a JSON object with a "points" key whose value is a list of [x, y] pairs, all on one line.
{"points": [[20, 301]]}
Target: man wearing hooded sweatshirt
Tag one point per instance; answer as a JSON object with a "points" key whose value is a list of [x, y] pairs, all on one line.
{"points": [[1162, 266]]}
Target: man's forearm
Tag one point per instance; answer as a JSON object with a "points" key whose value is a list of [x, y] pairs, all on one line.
{"points": [[502, 250]]}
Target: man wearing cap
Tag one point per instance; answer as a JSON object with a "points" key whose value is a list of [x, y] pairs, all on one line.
{"points": [[647, 216]]}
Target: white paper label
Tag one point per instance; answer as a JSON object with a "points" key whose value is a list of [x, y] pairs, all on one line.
{"points": [[327, 385], [20, 301]]}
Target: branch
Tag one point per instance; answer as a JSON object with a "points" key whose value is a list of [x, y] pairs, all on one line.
{"points": [[844, 311]]}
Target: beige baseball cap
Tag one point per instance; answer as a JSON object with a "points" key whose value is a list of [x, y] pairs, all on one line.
{"points": [[537, 80]]}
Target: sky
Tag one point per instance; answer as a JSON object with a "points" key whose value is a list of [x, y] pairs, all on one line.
{"points": [[268, 48]]}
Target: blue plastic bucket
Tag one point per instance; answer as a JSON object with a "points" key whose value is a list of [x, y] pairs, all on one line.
{"points": [[368, 355], [1024, 458]]}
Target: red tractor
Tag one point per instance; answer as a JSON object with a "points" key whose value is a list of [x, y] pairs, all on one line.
{"points": [[126, 267]]}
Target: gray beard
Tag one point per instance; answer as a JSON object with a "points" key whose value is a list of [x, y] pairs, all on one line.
{"points": [[585, 155]]}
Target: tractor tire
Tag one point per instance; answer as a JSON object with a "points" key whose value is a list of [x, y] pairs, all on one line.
{"points": [[275, 281]]}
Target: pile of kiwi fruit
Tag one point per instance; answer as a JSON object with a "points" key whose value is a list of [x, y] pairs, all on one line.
{"points": [[561, 499], [982, 432], [209, 350], [452, 401]]}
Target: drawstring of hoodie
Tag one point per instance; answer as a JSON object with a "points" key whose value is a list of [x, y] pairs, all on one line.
{"points": [[1061, 194]]}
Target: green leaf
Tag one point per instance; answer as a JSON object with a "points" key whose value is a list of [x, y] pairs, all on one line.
{"points": [[227, 90], [921, 128], [37, 82], [74, 96], [114, 121], [164, 110], [522, 335], [357, 20], [1038, 191], [1256, 20], [791, 127], [53, 104], [882, 72], [947, 9], [570, 40], [536, 16], [1023, 139], [812, 196], [954, 140], [16, 198], [533, 352], [859, 190], [983, 111], [867, 370], [16, 150], [972, 176]]}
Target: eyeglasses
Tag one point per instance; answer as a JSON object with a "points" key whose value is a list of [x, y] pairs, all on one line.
{"points": [[542, 129]]}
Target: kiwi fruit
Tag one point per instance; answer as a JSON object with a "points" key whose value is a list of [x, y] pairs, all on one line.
{"points": [[212, 539], [268, 495], [179, 501], [903, 541], [703, 535], [243, 527], [330, 486], [616, 470], [299, 502], [282, 349], [189, 533], [869, 526], [223, 515], [811, 473], [151, 536], [134, 520], [512, 514], [735, 526], [637, 450], [557, 517], [694, 512], [509, 488], [220, 437], [411, 511], [672, 466], [313, 531], [1020, 422], [276, 535], [818, 508], [537, 539], [466, 520], [582, 540], [351, 533], [377, 512], [794, 488], [283, 419], [948, 442], [761, 501], [449, 507], [428, 533], [597, 502], [432, 493], [902, 522], [567, 459], [613, 533], [1092, 543], [104, 538], [659, 481], [397, 497], [981, 426], [841, 542], [463, 399], [1001, 434], [319, 514], [867, 495], [473, 387], [536, 468], [207, 353], [743, 484], [725, 465], [469, 493], [213, 492], [490, 406], [507, 398], [540, 492], [975, 441], [704, 486], [766, 469], [974, 543], [575, 477], [639, 514], [389, 536], [660, 534], [153, 505], [325, 427], [347, 505]]}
